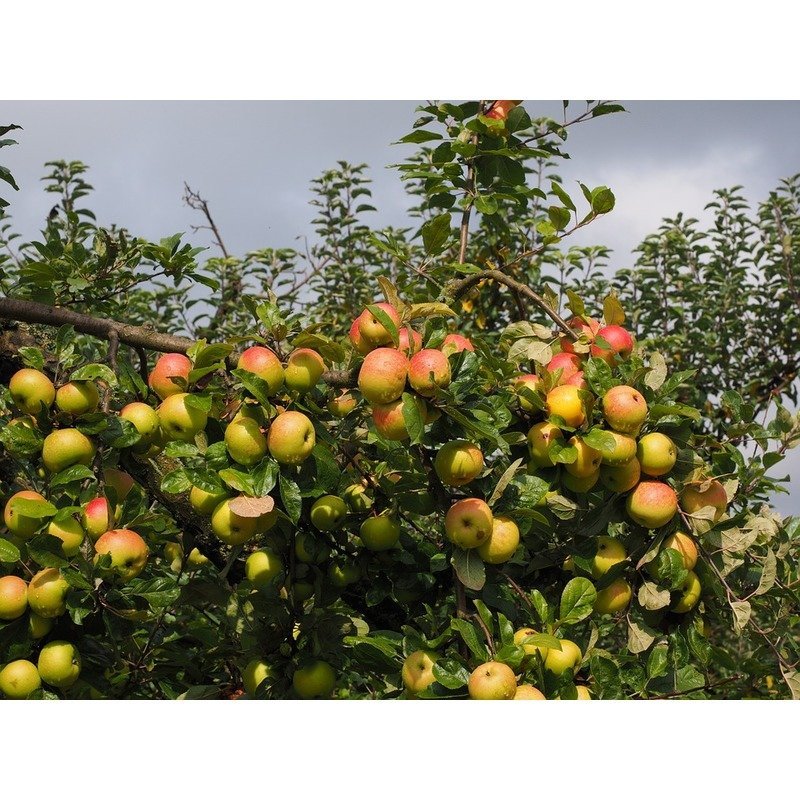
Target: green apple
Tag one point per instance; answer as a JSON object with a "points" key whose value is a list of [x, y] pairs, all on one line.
{"points": [[39, 627], [18, 679], [527, 692], [623, 451], [128, 552], [657, 454], [417, 672], [66, 447], [568, 658], [379, 533], [262, 567], [615, 597], [314, 680], [47, 593], [458, 462], [357, 498], [180, 420], [168, 367], [341, 405], [342, 574], [539, 438], [304, 368], [31, 390], [71, 533], [204, 502], [610, 552], [231, 528], [13, 597], [580, 485], [621, 478], [310, 550], [492, 681], [503, 542], [468, 523], [77, 397], [587, 462], [97, 517], [59, 664], [693, 498], [291, 438], [328, 513], [245, 443], [254, 674], [690, 593], [625, 409], [145, 419], [22, 525]]}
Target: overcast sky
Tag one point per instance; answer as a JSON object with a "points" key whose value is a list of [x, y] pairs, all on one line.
{"points": [[253, 162]]}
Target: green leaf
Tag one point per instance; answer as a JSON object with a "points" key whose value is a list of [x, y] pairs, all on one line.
{"points": [[8, 552], [175, 482], [205, 479], [657, 662], [450, 673], [613, 313], [602, 201], [36, 509], [257, 387], [386, 321], [331, 352], [46, 550], [472, 638], [543, 640], [470, 568], [420, 136], [435, 234], [657, 373], [559, 216], [505, 480], [486, 204], [768, 574], [238, 480], [78, 472], [598, 375], [412, 417], [92, 371], [640, 636], [577, 601], [651, 597], [600, 439], [741, 614], [291, 497], [202, 402], [32, 357]]}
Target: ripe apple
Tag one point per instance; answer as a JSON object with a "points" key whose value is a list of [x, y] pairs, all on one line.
{"points": [[690, 593], [30, 390], [579, 485], [409, 343], [530, 649], [262, 567], [685, 545], [500, 108], [468, 523], [389, 420], [342, 405], [539, 438], [588, 460], [503, 542], [328, 513], [98, 517], [145, 419], [254, 674], [169, 366], [526, 387], [567, 363], [245, 443], [181, 421], [38, 627], [657, 454], [428, 371], [360, 344], [618, 344], [77, 397], [609, 553], [18, 679], [59, 664], [357, 498], [47, 593], [379, 533], [492, 681], [20, 525], [587, 328], [372, 330], [568, 658], [455, 343], [310, 550], [458, 462], [565, 401], [204, 502], [229, 527], [128, 552], [527, 692], [13, 597], [262, 362], [624, 449], [578, 380], [304, 368], [314, 680], [417, 672], [625, 409], [66, 447], [615, 597], [291, 438], [71, 533], [382, 377], [621, 478], [652, 504], [693, 499]]}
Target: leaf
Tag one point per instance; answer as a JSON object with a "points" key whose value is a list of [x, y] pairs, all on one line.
{"points": [[541, 607], [435, 233], [768, 574], [426, 310], [419, 137], [543, 640], [559, 192], [505, 479], [175, 482], [46, 550], [257, 387], [238, 480], [640, 636], [8, 552], [792, 679], [657, 373], [36, 509], [205, 479], [251, 506], [473, 639], [291, 497], [651, 597], [386, 321], [92, 371], [657, 662], [600, 439], [741, 614], [577, 601], [450, 673], [612, 311], [412, 417], [331, 352], [486, 204], [470, 568], [390, 293], [210, 355], [77, 472], [602, 202]]}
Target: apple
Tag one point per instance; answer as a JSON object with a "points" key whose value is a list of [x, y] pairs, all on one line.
{"points": [[372, 330], [469, 523], [382, 377], [685, 545], [610, 552], [254, 674], [77, 397], [578, 380], [417, 672], [47, 593], [357, 498], [409, 343], [98, 517], [617, 343], [492, 681], [119, 482], [615, 597], [428, 371], [18, 679], [204, 502], [565, 401], [20, 525], [503, 542], [360, 344], [314, 680], [304, 368], [625, 409], [579, 485], [342, 405], [526, 387], [245, 443], [455, 343], [174, 553], [690, 593], [128, 553], [291, 438], [328, 513], [568, 658], [624, 449], [229, 527], [343, 574], [583, 693], [539, 438], [145, 419], [652, 504], [657, 454], [13, 597], [181, 421], [379, 533], [389, 420], [500, 108], [621, 478], [195, 560], [262, 362], [585, 327], [309, 549], [458, 462], [71, 533], [169, 366], [530, 649], [262, 567], [588, 460], [38, 627], [59, 664], [567, 363], [31, 390], [693, 499], [66, 447], [527, 692]]}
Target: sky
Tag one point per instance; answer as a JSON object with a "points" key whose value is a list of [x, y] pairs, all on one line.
{"points": [[253, 162]]}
